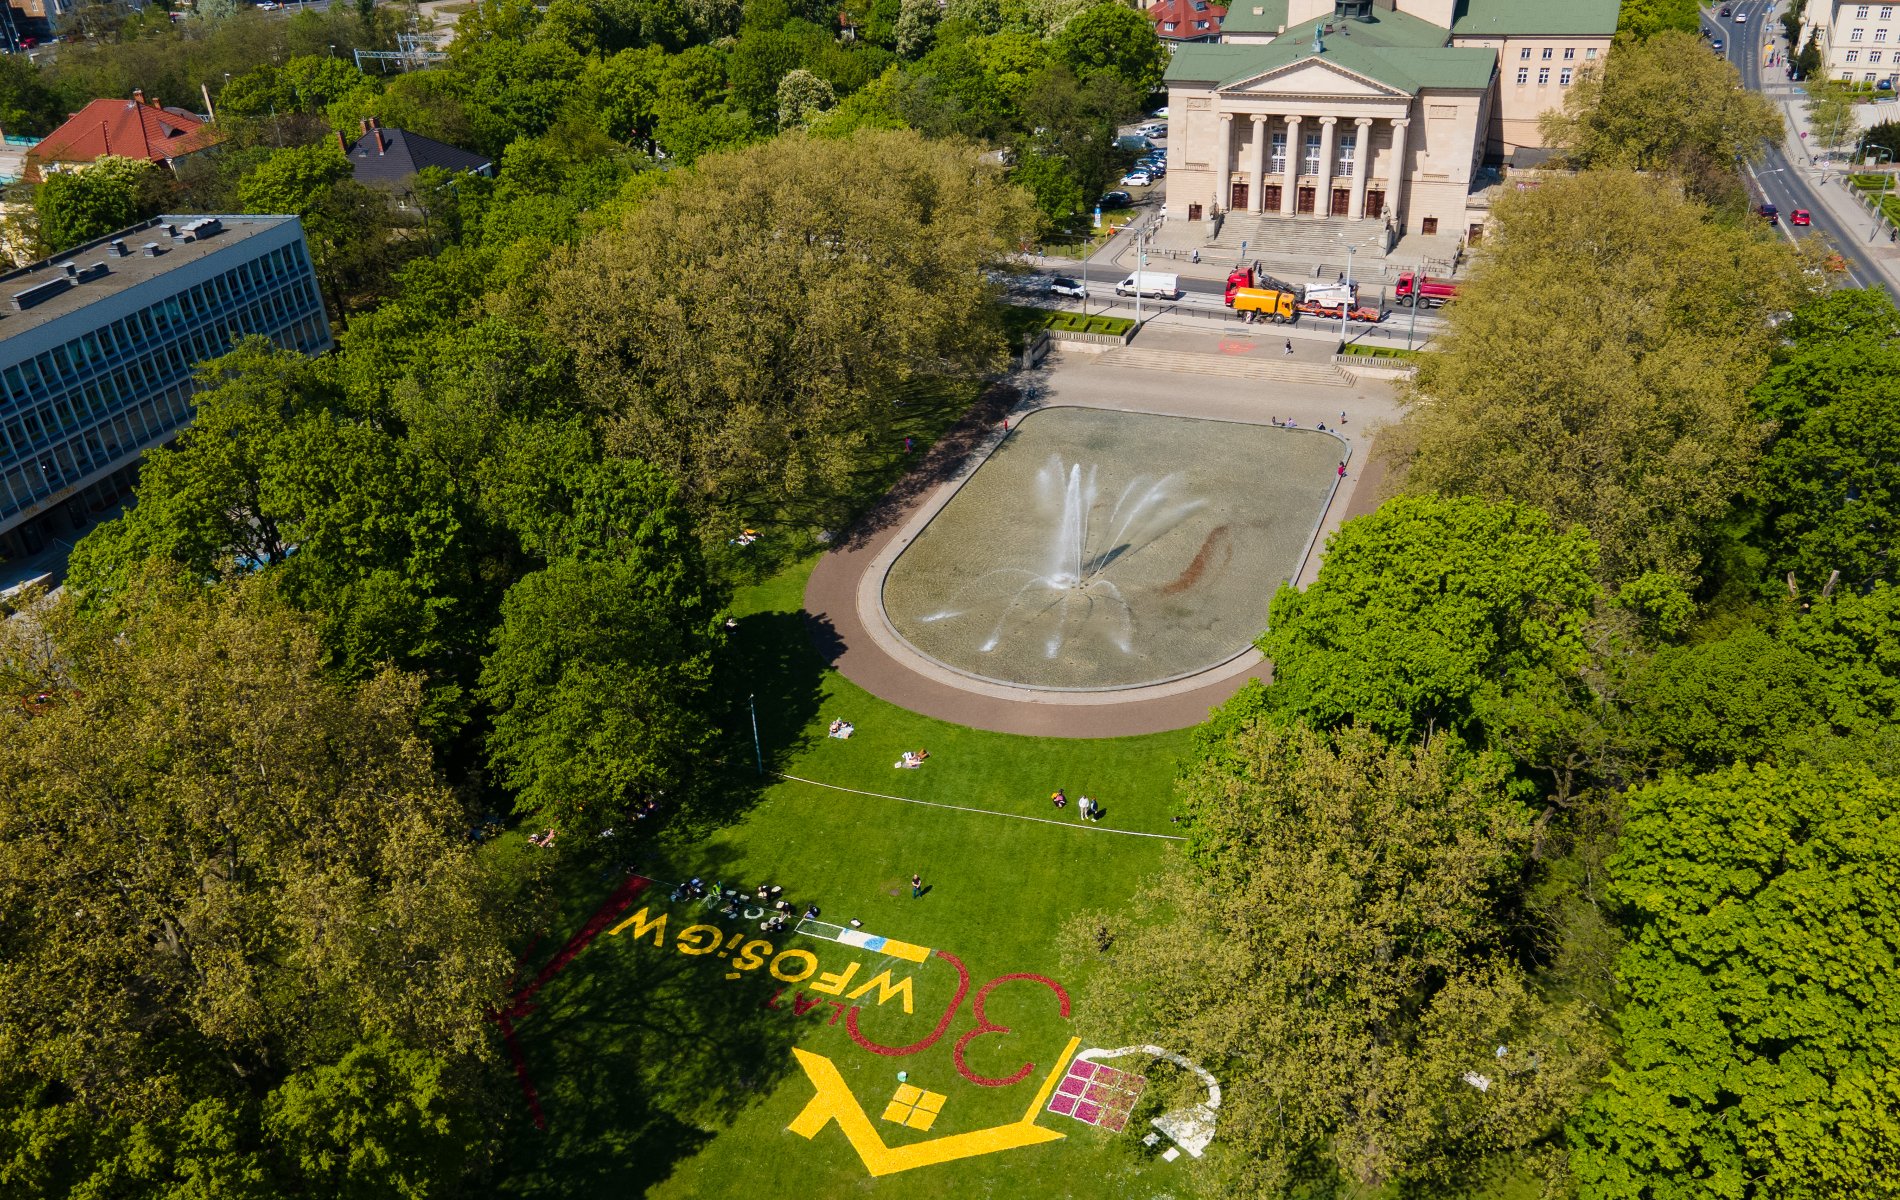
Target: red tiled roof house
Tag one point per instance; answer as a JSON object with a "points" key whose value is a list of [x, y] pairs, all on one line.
{"points": [[1187, 20], [131, 128]]}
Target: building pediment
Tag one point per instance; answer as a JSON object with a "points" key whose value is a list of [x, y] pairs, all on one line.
{"points": [[1312, 77]]}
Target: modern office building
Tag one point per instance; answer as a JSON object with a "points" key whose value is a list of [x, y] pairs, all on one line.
{"points": [[98, 346]]}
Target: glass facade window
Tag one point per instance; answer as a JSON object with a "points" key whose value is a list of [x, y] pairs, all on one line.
{"points": [[1543, 76], [1277, 154], [1523, 75], [80, 408], [1309, 162]]}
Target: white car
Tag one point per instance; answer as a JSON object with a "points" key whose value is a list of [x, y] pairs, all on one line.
{"points": [[1741, 16], [1062, 286], [1137, 179], [1154, 129]]}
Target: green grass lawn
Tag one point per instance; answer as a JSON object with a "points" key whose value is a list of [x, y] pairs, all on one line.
{"points": [[671, 1074]]}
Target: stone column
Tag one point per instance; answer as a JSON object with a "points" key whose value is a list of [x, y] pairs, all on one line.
{"points": [[1290, 183], [1395, 187], [1257, 164], [1323, 194], [1361, 160], [1224, 165]]}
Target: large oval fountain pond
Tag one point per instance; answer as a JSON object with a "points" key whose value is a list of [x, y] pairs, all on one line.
{"points": [[1098, 550]]}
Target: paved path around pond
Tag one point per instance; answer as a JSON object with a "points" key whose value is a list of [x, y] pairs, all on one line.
{"points": [[841, 598]]}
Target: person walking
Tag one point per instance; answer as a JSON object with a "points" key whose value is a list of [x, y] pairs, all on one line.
{"points": [[916, 886], [1289, 346], [1342, 470]]}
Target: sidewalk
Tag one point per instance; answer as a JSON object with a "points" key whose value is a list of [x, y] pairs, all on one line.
{"points": [[1824, 174]]}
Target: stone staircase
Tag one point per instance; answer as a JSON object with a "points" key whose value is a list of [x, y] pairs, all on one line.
{"points": [[1298, 241], [1260, 365]]}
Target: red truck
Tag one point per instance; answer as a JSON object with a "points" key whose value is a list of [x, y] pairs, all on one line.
{"points": [[1251, 277], [1432, 293]]}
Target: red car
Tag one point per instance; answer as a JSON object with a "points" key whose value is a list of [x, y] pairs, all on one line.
{"points": [[1799, 217]]}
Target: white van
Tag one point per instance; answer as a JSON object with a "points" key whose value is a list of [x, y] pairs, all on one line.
{"points": [[1150, 283]]}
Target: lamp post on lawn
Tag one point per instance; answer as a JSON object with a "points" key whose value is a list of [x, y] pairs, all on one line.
{"points": [[758, 753], [1141, 260]]}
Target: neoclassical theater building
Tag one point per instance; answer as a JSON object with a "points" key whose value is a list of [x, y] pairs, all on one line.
{"points": [[1368, 111]]}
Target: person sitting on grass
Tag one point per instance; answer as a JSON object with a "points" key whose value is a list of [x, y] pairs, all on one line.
{"points": [[1058, 799]]}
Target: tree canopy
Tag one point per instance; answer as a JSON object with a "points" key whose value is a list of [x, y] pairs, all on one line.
{"points": [[1597, 366], [1336, 948], [1664, 104], [749, 326], [1428, 613], [1759, 1033], [218, 867]]}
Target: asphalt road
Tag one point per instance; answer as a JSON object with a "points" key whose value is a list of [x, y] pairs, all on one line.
{"points": [[1777, 180]]}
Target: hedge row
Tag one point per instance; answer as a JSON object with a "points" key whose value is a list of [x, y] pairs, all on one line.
{"points": [[1069, 322]]}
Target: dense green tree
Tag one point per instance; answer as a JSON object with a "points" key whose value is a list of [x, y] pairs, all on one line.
{"points": [[78, 206], [1115, 40], [801, 97], [1429, 613], [385, 1120], [602, 663], [1762, 1009], [345, 223], [1597, 364], [1736, 699], [28, 107], [360, 528], [1647, 18], [218, 867], [1335, 951], [1830, 482], [756, 397], [1665, 104], [1049, 180]]}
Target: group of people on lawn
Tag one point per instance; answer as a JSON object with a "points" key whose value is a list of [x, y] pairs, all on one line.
{"points": [[1086, 808]]}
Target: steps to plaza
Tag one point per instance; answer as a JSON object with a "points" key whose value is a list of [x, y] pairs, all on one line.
{"points": [[1267, 369]]}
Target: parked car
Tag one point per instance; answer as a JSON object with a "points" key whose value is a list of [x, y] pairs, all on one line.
{"points": [[1768, 213], [1062, 286], [1117, 200], [1800, 216], [1137, 179], [1153, 129]]}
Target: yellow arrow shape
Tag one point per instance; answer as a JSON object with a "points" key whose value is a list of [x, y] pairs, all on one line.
{"points": [[832, 1101]]}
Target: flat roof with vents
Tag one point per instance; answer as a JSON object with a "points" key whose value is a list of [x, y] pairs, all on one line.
{"points": [[32, 295]]}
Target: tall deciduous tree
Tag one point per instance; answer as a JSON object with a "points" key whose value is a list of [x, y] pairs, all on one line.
{"points": [[746, 327], [1334, 952], [1830, 483], [1430, 612], [1664, 104], [600, 677], [1597, 365], [1763, 1009], [218, 865], [78, 206]]}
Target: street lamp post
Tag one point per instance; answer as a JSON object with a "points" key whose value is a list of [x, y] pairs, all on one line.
{"points": [[1880, 203], [1345, 304], [1418, 288]]}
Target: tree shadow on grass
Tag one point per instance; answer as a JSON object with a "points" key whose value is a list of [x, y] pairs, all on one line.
{"points": [[899, 485], [641, 1054]]}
